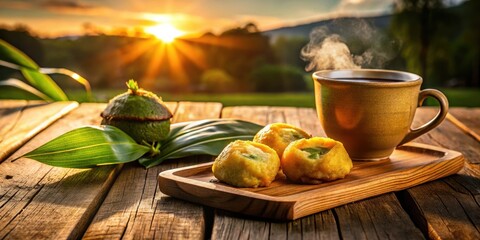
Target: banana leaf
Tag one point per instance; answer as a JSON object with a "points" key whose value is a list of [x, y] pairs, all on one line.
{"points": [[13, 58], [16, 89], [88, 147], [44, 84], [205, 137], [11, 54], [73, 75], [92, 146]]}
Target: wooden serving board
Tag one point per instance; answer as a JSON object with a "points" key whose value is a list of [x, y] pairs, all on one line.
{"points": [[411, 164]]}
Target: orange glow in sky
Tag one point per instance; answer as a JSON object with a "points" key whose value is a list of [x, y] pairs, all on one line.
{"points": [[75, 17], [165, 32]]}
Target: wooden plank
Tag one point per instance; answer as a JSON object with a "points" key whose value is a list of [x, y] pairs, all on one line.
{"points": [[239, 228], [331, 224], [38, 201], [381, 217], [448, 208], [448, 135], [466, 119], [20, 120], [135, 208], [409, 165], [232, 226]]}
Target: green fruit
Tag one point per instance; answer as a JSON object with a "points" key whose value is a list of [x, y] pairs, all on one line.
{"points": [[142, 131], [139, 113]]}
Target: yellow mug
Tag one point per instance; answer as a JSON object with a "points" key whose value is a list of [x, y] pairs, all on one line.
{"points": [[371, 110]]}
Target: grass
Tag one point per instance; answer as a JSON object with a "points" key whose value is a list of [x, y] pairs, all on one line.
{"points": [[235, 99], [456, 98], [462, 97], [250, 99]]}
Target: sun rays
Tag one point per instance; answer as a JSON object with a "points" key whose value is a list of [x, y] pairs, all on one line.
{"points": [[165, 32], [165, 60], [169, 57]]}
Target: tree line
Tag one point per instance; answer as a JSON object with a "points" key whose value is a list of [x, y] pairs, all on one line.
{"points": [[441, 44]]}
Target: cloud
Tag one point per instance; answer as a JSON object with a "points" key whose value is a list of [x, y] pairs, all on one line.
{"points": [[16, 5], [43, 27], [57, 4], [72, 7], [352, 6], [193, 16]]}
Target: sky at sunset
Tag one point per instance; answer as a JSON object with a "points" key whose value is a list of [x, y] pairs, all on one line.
{"points": [[67, 17]]}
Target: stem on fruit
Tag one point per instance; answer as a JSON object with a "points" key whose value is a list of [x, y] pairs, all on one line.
{"points": [[154, 148], [132, 86]]}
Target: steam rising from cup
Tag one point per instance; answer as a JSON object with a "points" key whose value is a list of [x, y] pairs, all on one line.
{"points": [[328, 49]]}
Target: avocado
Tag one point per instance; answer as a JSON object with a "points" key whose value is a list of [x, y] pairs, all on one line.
{"points": [[139, 113]]}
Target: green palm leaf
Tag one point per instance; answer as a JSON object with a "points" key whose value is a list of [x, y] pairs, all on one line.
{"points": [[44, 84], [16, 89], [73, 75], [89, 146], [201, 137], [11, 54], [13, 58]]}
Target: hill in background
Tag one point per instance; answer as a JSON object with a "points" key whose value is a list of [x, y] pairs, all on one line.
{"points": [[303, 30]]}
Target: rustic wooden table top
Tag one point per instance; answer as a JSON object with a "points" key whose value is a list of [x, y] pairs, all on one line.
{"points": [[39, 201]]}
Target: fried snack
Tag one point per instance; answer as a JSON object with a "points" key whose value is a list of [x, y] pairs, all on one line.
{"points": [[315, 160], [279, 135], [246, 164]]}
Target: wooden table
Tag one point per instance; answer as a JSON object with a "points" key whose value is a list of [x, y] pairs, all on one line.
{"points": [[39, 201]]}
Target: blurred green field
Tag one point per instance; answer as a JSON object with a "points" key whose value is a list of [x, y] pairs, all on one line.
{"points": [[235, 99], [459, 97], [456, 97], [250, 99]]}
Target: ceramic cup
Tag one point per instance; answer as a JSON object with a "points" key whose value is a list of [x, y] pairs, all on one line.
{"points": [[371, 111]]}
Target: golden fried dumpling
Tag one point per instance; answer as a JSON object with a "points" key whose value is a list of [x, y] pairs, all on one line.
{"points": [[315, 160], [279, 135], [246, 164]]}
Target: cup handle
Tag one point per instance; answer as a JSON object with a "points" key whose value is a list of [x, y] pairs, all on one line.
{"points": [[442, 113]]}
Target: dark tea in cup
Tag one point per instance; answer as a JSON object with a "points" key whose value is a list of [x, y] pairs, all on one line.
{"points": [[371, 111]]}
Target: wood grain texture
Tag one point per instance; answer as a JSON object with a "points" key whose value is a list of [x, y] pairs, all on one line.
{"points": [[276, 230], [319, 226], [325, 220], [135, 208], [382, 216], [466, 119], [230, 226], [21, 120], [38, 201], [408, 166], [447, 135], [448, 208]]}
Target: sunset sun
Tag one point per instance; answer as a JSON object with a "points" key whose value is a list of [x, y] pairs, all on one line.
{"points": [[165, 32]]}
